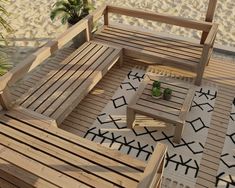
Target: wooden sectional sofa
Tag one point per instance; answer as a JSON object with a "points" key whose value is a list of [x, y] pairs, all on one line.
{"points": [[35, 153]]}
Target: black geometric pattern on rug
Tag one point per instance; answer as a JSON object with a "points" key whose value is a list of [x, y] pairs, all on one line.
{"points": [[224, 161], [182, 163], [197, 124], [110, 119], [135, 75], [130, 86], [169, 139], [208, 94], [119, 102], [232, 137], [122, 140], [232, 116], [141, 149], [228, 184], [200, 106]]}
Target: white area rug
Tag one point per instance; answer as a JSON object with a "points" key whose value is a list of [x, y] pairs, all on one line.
{"points": [[182, 162], [226, 172]]}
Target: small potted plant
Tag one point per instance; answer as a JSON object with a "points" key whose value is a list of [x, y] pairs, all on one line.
{"points": [[156, 90], [167, 94], [157, 84], [71, 12]]}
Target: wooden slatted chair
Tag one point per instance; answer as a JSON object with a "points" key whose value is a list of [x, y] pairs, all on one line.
{"points": [[33, 153], [156, 48]]}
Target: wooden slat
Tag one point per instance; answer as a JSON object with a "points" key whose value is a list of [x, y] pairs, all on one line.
{"points": [[41, 170], [21, 177], [77, 140], [61, 89], [68, 156], [168, 49], [31, 96], [105, 64], [54, 163], [199, 25]]}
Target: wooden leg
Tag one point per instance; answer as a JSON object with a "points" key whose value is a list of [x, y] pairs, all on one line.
{"points": [[130, 115], [198, 79], [120, 61], [178, 133]]}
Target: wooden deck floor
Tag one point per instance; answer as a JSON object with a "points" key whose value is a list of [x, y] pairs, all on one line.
{"points": [[82, 117]]}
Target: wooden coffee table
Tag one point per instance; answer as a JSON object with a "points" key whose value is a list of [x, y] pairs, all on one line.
{"points": [[173, 111]]}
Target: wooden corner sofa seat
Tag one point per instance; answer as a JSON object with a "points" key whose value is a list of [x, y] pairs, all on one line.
{"points": [[34, 153], [62, 89], [156, 48]]}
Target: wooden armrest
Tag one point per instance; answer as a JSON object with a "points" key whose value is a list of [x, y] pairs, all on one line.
{"points": [[211, 35], [153, 166], [173, 20]]}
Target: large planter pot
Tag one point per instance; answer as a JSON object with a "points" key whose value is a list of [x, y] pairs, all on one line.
{"points": [[79, 39]]}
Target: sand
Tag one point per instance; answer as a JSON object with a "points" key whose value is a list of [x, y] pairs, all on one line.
{"points": [[33, 27]]}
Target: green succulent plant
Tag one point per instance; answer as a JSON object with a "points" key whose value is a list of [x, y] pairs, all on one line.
{"points": [[71, 11], [157, 84], [168, 91]]}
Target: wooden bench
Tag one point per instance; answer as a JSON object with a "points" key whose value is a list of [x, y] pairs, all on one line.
{"points": [[156, 48], [62, 90], [33, 153]]}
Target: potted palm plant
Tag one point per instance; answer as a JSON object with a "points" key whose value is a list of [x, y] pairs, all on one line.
{"points": [[71, 12]]}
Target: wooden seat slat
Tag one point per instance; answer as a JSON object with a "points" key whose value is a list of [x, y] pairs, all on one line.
{"points": [[57, 79], [85, 87], [21, 177], [63, 88], [29, 97], [18, 116], [40, 170], [158, 45], [72, 148], [70, 157], [54, 163], [145, 48], [66, 81]]}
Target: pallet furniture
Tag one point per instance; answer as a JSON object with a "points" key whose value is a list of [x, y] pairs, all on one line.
{"points": [[156, 48], [173, 111], [33, 153], [63, 89]]}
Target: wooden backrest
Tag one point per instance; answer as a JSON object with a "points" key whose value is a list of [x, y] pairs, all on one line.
{"points": [[209, 18]]}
